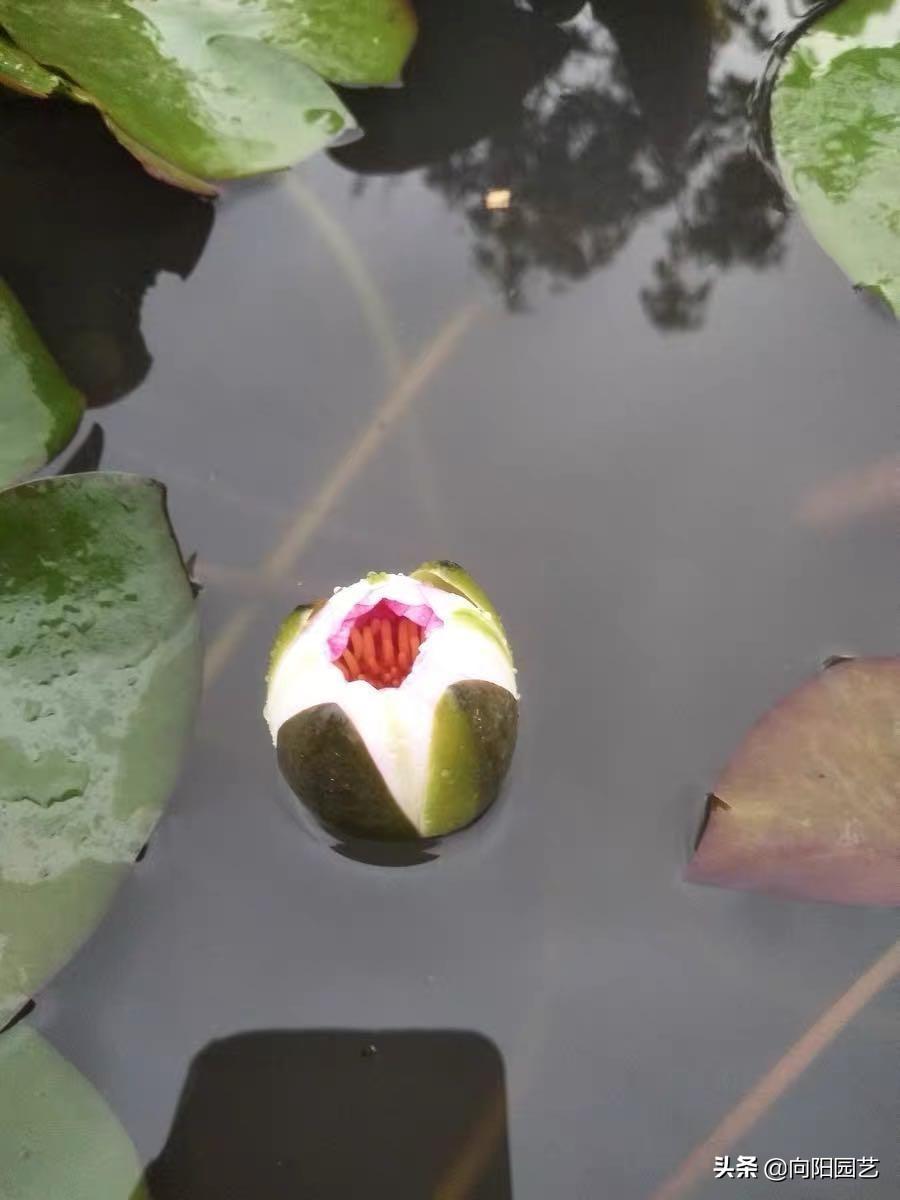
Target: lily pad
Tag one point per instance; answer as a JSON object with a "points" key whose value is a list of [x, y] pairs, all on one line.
{"points": [[58, 1137], [809, 806], [39, 409], [216, 89], [836, 135], [21, 73], [99, 675]]}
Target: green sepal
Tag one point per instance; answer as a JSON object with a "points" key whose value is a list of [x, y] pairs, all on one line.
{"points": [[291, 627], [486, 625], [472, 743], [450, 577], [329, 768]]}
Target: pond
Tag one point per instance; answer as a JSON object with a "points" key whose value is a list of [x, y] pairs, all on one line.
{"points": [[552, 317]]}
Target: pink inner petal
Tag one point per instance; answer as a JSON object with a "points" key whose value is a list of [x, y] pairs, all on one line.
{"points": [[421, 614]]}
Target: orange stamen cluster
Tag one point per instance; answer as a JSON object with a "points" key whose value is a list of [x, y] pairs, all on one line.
{"points": [[382, 648]]}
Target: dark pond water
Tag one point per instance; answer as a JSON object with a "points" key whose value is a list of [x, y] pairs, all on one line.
{"points": [[626, 402]]}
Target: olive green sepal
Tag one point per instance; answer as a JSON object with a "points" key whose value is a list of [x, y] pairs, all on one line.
{"points": [[451, 577], [326, 763], [475, 729], [290, 629]]}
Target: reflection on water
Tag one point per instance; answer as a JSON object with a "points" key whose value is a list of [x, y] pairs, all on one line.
{"points": [[401, 855], [85, 233], [338, 1114], [88, 455], [593, 127], [649, 539]]}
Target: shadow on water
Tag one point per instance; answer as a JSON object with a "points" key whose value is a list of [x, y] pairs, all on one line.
{"points": [[397, 855], [592, 127], [88, 455], [335, 1114], [387, 854], [85, 232]]}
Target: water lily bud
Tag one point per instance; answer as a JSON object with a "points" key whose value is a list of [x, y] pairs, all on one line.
{"points": [[393, 705]]}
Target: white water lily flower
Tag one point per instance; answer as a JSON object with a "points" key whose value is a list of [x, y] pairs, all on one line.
{"points": [[393, 705]]}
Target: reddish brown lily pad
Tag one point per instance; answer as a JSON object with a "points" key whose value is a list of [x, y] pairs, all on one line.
{"points": [[809, 806]]}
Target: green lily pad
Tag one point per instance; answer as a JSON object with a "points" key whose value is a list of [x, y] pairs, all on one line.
{"points": [[217, 89], [809, 805], [58, 1137], [39, 409], [20, 72], [99, 675], [836, 133]]}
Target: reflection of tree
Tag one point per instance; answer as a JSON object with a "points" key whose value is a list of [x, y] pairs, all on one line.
{"points": [[638, 109], [84, 231], [730, 212], [580, 175]]}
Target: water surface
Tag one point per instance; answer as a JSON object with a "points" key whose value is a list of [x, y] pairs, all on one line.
{"points": [[622, 399]]}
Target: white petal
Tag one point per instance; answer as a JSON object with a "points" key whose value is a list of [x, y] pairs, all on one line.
{"points": [[395, 723]]}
